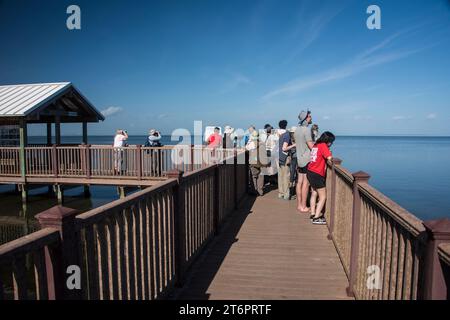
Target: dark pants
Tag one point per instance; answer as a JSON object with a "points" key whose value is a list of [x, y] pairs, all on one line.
{"points": [[293, 170]]}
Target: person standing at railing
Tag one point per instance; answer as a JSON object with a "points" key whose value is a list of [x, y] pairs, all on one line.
{"points": [[304, 143], [293, 166], [153, 139], [271, 142], [257, 161], [315, 133], [284, 160], [228, 138], [215, 139], [320, 154], [119, 142]]}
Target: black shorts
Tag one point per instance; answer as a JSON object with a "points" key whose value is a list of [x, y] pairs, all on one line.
{"points": [[315, 180], [302, 170]]}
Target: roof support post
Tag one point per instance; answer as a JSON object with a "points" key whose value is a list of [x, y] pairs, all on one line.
{"points": [[49, 133], [85, 136], [57, 130], [23, 143]]}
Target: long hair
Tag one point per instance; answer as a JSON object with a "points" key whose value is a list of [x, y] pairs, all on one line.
{"points": [[326, 137]]}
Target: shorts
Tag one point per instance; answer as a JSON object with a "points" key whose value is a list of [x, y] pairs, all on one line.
{"points": [[302, 170], [315, 180]]}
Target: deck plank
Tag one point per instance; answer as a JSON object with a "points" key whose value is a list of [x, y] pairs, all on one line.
{"points": [[268, 251]]}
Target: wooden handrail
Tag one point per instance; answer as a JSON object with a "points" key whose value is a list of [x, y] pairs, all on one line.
{"points": [[399, 214], [97, 214], [28, 243]]}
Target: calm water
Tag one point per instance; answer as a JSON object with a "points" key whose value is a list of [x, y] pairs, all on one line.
{"points": [[412, 171]]}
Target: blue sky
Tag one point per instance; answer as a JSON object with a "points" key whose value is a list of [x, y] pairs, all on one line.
{"points": [[165, 64]]}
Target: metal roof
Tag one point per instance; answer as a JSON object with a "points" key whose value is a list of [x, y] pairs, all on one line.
{"points": [[22, 99]]}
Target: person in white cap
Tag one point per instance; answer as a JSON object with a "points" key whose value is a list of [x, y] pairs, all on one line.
{"points": [[153, 139], [304, 143], [228, 137]]}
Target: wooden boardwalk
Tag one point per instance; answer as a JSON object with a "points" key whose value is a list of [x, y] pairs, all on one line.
{"points": [[268, 251]]}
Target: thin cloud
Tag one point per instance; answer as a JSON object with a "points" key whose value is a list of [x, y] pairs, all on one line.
{"points": [[431, 116], [310, 28], [111, 111], [361, 62], [359, 117], [399, 118], [236, 81]]}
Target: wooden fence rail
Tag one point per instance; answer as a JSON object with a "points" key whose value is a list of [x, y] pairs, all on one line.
{"points": [[386, 252], [138, 247], [9, 161]]}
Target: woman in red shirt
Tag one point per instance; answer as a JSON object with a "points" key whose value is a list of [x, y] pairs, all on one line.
{"points": [[316, 173]]}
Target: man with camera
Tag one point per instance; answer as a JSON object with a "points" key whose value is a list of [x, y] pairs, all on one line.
{"points": [[119, 142]]}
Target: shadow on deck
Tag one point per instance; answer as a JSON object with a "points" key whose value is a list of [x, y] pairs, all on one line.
{"points": [[268, 251]]}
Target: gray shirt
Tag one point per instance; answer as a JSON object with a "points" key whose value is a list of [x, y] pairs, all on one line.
{"points": [[302, 136]]}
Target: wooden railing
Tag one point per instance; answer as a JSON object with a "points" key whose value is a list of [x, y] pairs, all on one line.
{"points": [[9, 161], [31, 256], [386, 252], [138, 247], [102, 161]]}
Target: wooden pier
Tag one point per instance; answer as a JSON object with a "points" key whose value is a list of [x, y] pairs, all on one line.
{"points": [[269, 251], [197, 235]]}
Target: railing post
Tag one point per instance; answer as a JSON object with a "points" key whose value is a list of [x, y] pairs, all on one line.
{"points": [[139, 161], [55, 160], [179, 227], [434, 282], [235, 191], [191, 165], [359, 177], [57, 260], [335, 162], [88, 160], [247, 172], [216, 200]]}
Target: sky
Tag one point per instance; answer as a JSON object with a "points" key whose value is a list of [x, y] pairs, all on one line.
{"points": [[165, 64]]}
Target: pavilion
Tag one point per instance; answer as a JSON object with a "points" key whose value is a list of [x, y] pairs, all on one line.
{"points": [[48, 103]]}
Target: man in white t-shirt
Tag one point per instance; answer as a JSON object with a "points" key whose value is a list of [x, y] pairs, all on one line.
{"points": [[119, 141]]}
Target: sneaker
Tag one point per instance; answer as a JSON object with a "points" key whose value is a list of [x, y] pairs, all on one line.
{"points": [[320, 220], [311, 217]]}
